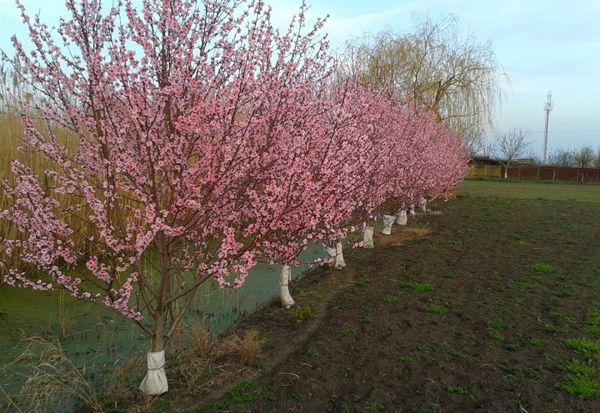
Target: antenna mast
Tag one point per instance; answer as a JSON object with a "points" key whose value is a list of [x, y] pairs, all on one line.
{"points": [[547, 108]]}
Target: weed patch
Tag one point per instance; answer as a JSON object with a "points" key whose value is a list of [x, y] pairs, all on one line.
{"points": [[457, 390], [437, 309], [593, 323], [301, 314], [580, 380], [545, 269], [392, 299], [588, 348], [419, 288]]}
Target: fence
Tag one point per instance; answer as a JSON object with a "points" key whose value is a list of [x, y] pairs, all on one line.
{"points": [[537, 172], [485, 171]]}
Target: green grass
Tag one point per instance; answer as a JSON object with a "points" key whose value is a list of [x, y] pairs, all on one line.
{"points": [[437, 309], [419, 288], [497, 324], [313, 354], [589, 348], [249, 391], [457, 390], [592, 323], [367, 317], [392, 299], [545, 269], [538, 342], [346, 331], [301, 314], [413, 358], [375, 407], [580, 380], [531, 190]]}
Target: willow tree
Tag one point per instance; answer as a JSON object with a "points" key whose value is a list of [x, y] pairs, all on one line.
{"points": [[455, 77]]}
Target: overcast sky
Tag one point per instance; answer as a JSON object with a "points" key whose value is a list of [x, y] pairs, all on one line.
{"points": [[541, 44]]}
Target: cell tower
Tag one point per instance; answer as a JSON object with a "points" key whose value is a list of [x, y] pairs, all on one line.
{"points": [[547, 108]]}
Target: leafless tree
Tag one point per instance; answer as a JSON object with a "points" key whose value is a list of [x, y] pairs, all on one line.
{"points": [[561, 157], [511, 146], [597, 158], [455, 77], [584, 157], [474, 141]]}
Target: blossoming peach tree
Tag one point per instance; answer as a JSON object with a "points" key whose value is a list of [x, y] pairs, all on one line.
{"points": [[194, 136], [178, 119]]}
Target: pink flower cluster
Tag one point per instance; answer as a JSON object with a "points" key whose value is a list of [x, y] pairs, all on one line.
{"points": [[203, 139]]}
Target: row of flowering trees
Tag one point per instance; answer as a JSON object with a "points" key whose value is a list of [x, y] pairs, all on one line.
{"points": [[201, 137]]}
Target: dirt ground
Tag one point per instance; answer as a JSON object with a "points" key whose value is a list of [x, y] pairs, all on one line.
{"points": [[479, 315], [489, 304]]}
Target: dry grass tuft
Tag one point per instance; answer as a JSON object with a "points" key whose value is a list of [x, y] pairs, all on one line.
{"points": [[52, 381], [401, 237], [246, 349], [201, 344]]}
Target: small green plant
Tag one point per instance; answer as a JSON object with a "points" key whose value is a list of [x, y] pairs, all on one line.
{"points": [[413, 358], [301, 314], [392, 299], [470, 337], [346, 331], [545, 269], [313, 354], [249, 391], [419, 288], [457, 390], [219, 405], [367, 317], [375, 407], [497, 324], [589, 348], [437, 309], [162, 405], [362, 283], [538, 342], [523, 285]]}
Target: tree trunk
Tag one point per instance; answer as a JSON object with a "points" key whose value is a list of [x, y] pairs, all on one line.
{"points": [[337, 253], [284, 292], [155, 382], [402, 217], [339, 256], [368, 237], [506, 171], [423, 204], [388, 222]]}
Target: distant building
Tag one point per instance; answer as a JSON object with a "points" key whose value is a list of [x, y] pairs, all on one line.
{"points": [[525, 161], [484, 160]]}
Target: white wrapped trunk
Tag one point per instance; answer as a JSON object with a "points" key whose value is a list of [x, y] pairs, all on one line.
{"points": [[423, 204], [155, 381], [368, 237], [388, 222], [284, 291], [402, 217], [336, 253], [339, 257], [412, 211]]}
